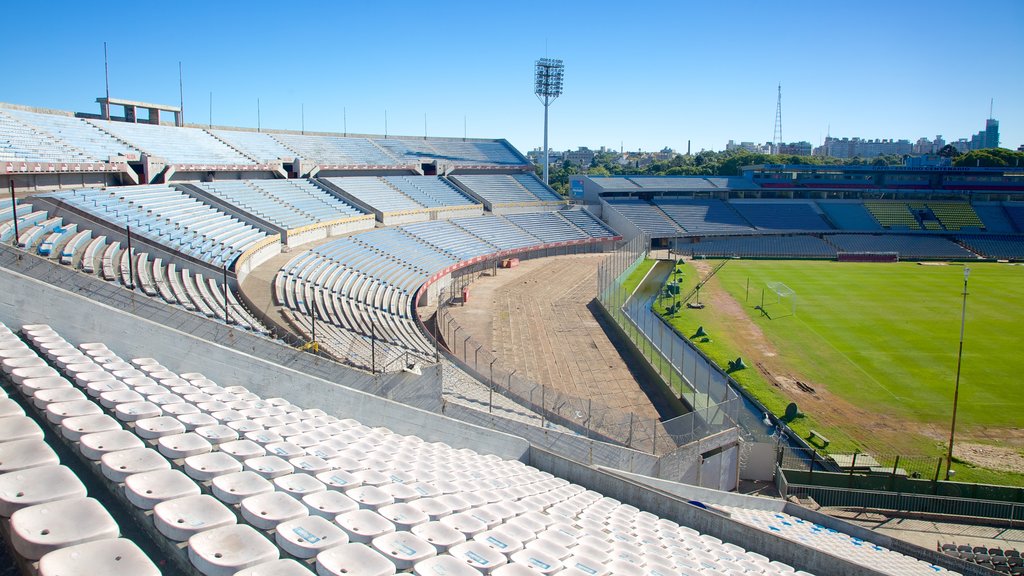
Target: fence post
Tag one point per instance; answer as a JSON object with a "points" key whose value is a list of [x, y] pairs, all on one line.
{"points": [[895, 466], [543, 392], [629, 439], [654, 448]]}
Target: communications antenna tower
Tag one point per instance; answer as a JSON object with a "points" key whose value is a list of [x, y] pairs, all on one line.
{"points": [[777, 134]]}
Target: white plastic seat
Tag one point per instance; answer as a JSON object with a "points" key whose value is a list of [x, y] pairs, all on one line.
{"points": [[33, 386], [310, 464], [217, 433], [58, 411], [37, 530], [402, 493], [518, 532], [549, 547], [440, 536], [180, 409], [328, 503], [266, 511], [353, 559], [183, 445], [370, 497], [112, 398], [298, 485], [479, 556], [19, 375], [404, 516], [181, 518], [23, 359], [208, 466], [364, 525], [86, 374], [500, 540], [586, 565], [242, 450], [226, 550], [279, 567], [338, 480], [159, 426], [24, 454], [307, 536], [195, 420], [284, 450], [444, 565], [132, 411], [263, 437], [454, 502], [404, 549], [537, 561], [235, 487], [522, 570], [97, 389], [464, 522], [147, 489], [243, 426], [269, 467], [94, 446], [116, 466], [432, 507], [36, 486], [107, 556], [74, 428]]}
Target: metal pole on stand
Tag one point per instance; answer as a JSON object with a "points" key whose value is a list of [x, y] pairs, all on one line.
{"points": [[131, 272], [14, 210], [227, 317]]}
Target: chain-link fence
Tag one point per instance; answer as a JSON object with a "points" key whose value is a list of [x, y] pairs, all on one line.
{"points": [[584, 416]]}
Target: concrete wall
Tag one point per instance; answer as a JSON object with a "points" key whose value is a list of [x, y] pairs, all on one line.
{"points": [[618, 222], [79, 319]]}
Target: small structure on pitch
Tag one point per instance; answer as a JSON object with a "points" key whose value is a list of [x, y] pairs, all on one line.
{"points": [[783, 295]]}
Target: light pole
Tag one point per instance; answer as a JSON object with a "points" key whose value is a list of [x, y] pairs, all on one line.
{"points": [[956, 388], [548, 75]]}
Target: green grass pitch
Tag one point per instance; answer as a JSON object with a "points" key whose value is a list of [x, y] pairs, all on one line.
{"points": [[885, 336]]}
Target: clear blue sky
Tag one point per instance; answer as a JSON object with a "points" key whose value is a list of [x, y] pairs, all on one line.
{"points": [[643, 74]]}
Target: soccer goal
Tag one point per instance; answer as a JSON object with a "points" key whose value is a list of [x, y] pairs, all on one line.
{"points": [[782, 293]]}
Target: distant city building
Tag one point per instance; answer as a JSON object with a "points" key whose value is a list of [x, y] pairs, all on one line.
{"points": [[925, 146], [537, 156], [746, 146], [795, 149], [582, 156], [861, 148]]}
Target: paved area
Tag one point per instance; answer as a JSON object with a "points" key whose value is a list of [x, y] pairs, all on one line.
{"points": [[538, 318]]}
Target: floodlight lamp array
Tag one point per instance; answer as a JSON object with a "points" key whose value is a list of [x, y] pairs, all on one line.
{"points": [[548, 77]]}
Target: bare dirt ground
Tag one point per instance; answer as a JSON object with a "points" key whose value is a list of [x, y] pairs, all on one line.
{"points": [[878, 432], [536, 319]]}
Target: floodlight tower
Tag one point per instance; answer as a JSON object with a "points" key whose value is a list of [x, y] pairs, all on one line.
{"points": [[548, 75]]}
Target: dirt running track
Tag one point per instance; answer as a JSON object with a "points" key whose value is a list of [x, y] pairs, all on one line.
{"points": [[537, 319]]}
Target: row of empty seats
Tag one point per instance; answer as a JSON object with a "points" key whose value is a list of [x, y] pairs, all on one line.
{"points": [[52, 239], [54, 525], [666, 217], [366, 283], [390, 194], [44, 137], [20, 142], [288, 204], [225, 481], [96, 144], [838, 543], [169, 217], [760, 247], [507, 189], [829, 245]]}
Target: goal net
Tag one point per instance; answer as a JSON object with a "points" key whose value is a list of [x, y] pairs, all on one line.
{"points": [[783, 295]]}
